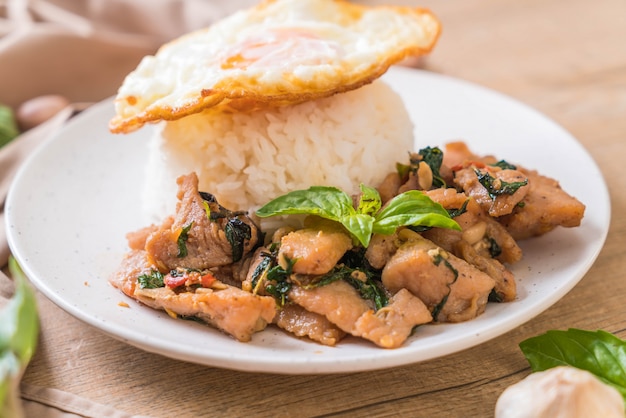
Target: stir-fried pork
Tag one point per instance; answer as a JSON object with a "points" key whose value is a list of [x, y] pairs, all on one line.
{"points": [[389, 327], [504, 287], [134, 264], [488, 186], [340, 303], [212, 265], [453, 289], [315, 250], [545, 207], [202, 233], [302, 323], [380, 250], [389, 187], [456, 153], [234, 311], [337, 301]]}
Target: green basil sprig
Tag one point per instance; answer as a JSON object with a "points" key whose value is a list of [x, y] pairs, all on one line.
{"points": [[8, 125], [598, 352], [19, 329], [411, 208]]}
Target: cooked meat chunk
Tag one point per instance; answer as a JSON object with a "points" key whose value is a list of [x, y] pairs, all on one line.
{"points": [[137, 239], [546, 206], [257, 258], [507, 251], [477, 228], [380, 250], [340, 303], [452, 289], [450, 199], [315, 250], [134, 264], [389, 327], [505, 287], [388, 189], [457, 153], [202, 234], [337, 301], [313, 281], [497, 191], [302, 323], [230, 309]]}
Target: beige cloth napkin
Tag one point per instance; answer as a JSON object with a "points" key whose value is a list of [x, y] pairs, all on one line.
{"points": [[81, 50]]}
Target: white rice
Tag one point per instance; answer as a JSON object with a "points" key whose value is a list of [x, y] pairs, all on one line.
{"points": [[247, 159]]}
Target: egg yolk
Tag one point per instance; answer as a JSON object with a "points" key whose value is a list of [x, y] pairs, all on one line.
{"points": [[285, 47]]}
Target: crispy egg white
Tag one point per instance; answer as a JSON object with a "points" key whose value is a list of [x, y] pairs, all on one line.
{"points": [[278, 53]]}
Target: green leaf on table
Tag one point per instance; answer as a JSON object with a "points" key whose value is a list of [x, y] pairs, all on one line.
{"points": [[8, 125], [19, 330], [598, 352]]}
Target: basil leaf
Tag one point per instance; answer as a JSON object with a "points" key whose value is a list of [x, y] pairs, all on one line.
{"points": [[19, 326], [181, 242], [503, 164], [598, 352], [370, 201], [360, 226], [409, 208], [153, 280], [326, 202], [19, 330], [403, 169], [434, 158], [497, 188], [412, 208], [237, 232], [8, 125]]}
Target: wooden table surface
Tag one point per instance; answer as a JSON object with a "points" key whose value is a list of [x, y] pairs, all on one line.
{"points": [[566, 58]]}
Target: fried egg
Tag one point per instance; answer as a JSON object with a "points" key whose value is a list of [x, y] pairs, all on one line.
{"points": [[280, 52]]}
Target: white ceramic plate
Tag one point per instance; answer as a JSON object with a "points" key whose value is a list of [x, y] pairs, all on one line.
{"points": [[75, 199]]}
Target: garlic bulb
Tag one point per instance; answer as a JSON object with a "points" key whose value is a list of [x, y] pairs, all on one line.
{"points": [[560, 392], [37, 110]]}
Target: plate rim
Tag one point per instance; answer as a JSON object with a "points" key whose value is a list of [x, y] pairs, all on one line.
{"points": [[321, 366]]}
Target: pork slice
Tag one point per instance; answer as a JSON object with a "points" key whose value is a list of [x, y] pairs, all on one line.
{"points": [[205, 239], [302, 323], [134, 264], [452, 289], [477, 228], [315, 250], [501, 204], [257, 258], [230, 309], [137, 239], [390, 326], [457, 153], [389, 187], [545, 207], [337, 301], [510, 252], [380, 249], [505, 286], [451, 199]]}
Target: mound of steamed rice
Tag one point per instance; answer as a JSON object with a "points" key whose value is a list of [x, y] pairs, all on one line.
{"points": [[247, 159]]}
